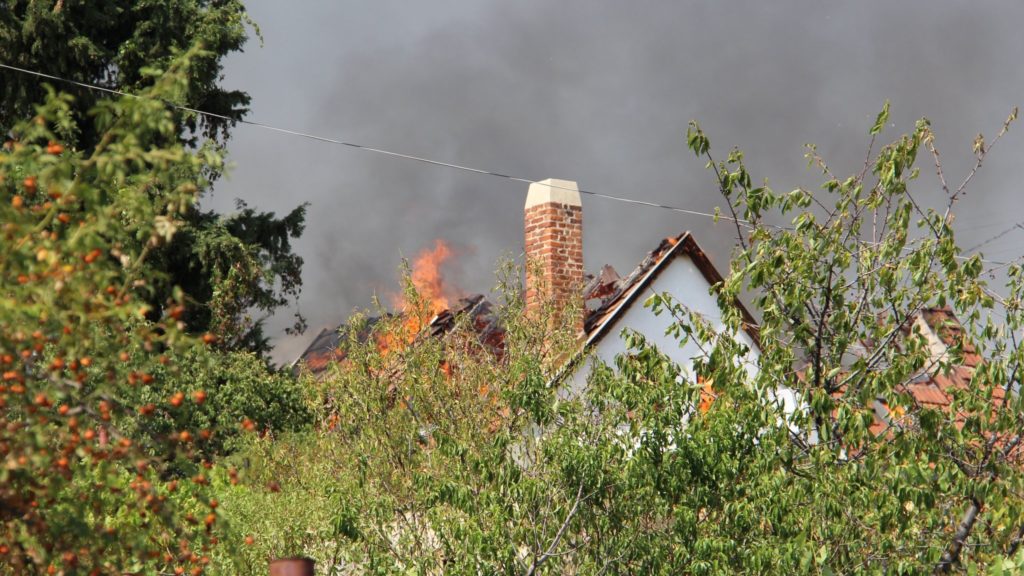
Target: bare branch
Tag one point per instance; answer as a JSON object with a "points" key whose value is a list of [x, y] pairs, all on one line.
{"points": [[558, 536], [984, 151]]}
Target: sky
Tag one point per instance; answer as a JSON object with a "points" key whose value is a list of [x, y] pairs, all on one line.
{"points": [[599, 92]]}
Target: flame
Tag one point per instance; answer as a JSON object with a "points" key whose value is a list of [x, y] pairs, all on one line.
{"points": [[707, 394], [428, 280]]}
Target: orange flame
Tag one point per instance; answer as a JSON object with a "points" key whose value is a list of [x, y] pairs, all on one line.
{"points": [[429, 282], [428, 279], [707, 395]]}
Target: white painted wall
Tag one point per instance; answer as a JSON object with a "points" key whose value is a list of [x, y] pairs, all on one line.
{"points": [[684, 281]]}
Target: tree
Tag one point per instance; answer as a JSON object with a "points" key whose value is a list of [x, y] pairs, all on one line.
{"points": [[77, 495], [112, 44], [229, 267], [226, 393], [839, 291], [436, 457], [410, 428]]}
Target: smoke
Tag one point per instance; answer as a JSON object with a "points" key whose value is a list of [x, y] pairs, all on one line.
{"points": [[597, 91]]}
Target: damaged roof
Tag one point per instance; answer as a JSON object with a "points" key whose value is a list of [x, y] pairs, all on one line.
{"points": [[326, 349], [606, 296]]}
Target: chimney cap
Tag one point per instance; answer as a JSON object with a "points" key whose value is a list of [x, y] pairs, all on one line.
{"points": [[553, 190]]}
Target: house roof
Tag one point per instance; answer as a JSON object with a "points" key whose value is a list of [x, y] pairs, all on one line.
{"points": [[607, 297], [936, 389], [933, 388], [326, 349]]}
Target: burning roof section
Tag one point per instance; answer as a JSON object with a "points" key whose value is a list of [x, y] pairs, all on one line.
{"points": [[328, 347], [606, 296]]}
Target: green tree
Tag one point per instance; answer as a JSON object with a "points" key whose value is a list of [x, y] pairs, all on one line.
{"points": [[76, 494], [234, 270], [229, 268], [411, 429], [111, 44], [937, 489], [225, 393]]}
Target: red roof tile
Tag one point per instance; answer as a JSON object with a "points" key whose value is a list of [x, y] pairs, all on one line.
{"points": [[928, 394]]}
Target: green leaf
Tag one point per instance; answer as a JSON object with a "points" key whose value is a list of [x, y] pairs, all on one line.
{"points": [[880, 120]]}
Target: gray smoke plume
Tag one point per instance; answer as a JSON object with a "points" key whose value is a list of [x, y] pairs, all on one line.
{"points": [[597, 91]]}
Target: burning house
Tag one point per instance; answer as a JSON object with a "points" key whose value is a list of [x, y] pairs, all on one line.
{"points": [[553, 245]]}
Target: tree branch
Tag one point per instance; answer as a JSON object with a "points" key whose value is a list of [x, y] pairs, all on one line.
{"points": [[558, 536], [952, 555]]}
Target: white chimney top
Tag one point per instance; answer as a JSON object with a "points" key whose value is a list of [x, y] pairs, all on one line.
{"points": [[553, 190]]}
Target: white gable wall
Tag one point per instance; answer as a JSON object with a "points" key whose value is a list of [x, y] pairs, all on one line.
{"points": [[683, 280]]}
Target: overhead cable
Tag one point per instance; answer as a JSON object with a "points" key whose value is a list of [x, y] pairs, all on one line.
{"points": [[376, 150], [431, 161]]}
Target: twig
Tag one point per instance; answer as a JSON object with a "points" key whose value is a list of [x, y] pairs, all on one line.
{"points": [[558, 536]]}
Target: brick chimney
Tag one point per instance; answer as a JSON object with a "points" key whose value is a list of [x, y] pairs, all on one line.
{"points": [[554, 245]]}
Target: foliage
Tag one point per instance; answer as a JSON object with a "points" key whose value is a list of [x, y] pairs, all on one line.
{"points": [[76, 494], [407, 424], [434, 456], [933, 488], [219, 394], [113, 43], [229, 268]]}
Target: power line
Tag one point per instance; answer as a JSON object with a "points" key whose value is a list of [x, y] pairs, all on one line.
{"points": [[996, 237], [439, 163], [376, 150]]}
